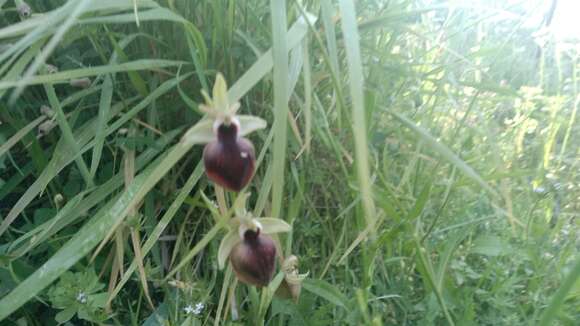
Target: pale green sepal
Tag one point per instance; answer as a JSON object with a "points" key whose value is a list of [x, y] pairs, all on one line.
{"points": [[272, 225], [249, 124], [220, 94], [240, 204], [200, 133], [226, 246]]}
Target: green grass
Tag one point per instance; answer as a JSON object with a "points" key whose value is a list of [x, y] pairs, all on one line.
{"points": [[425, 153]]}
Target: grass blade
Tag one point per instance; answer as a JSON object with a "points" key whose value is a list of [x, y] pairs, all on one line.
{"points": [[280, 54], [99, 228], [66, 76], [160, 227], [264, 64], [558, 299], [444, 151], [356, 82], [40, 59], [104, 112], [19, 135], [67, 133], [63, 157]]}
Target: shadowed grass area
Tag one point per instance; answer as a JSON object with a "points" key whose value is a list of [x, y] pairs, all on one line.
{"points": [[425, 154]]}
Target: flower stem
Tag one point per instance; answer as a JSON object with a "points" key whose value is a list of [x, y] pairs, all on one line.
{"points": [[221, 199]]}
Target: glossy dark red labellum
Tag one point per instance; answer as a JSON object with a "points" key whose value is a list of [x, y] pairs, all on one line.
{"points": [[229, 160], [254, 259]]}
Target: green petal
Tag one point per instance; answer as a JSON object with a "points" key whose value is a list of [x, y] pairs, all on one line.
{"points": [[273, 225], [250, 123], [220, 94], [200, 133], [226, 246]]}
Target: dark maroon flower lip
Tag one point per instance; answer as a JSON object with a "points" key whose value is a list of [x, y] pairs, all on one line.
{"points": [[254, 259], [229, 160]]}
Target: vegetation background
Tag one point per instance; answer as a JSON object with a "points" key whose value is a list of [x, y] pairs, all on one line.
{"points": [[425, 152]]}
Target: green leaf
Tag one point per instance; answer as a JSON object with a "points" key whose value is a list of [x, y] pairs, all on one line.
{"points": [[356, 83], [71, 211], [326, 291], [65, 315], [51, 18], [558, 299], [148, 15], [264, 64], [66, 76], [99, 228], [160, 227], [103, 118], [62, 155], [490, 245], [98, 300], [6, 145], [280, 125], [444, 151]]}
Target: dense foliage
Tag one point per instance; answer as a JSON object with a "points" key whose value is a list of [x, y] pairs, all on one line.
{"points": [[425, 153]]}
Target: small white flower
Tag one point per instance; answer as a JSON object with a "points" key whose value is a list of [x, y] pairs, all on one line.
{"points": [[540, 190], [82, 297], [190, 310], [198, 308]]}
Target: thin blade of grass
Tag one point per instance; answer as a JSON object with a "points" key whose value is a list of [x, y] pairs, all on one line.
{"points": [[99, 228], [160, 227], [147, 15], [430, 277], [52, 17], [62, 157], [42, 232], [356, 82], [197, 49], [444, 151], [67, 134], [280, 55], [103, 117], [66, 76], [263, 65], [327, 12], [307, 81], [212, 233], [40, 59], [223, 293], [19, 135], [557, 301]]}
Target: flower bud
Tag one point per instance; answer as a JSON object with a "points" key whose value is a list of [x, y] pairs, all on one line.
{"points": [[47, 111], [229, 160], [80, 82], [58, 200], [50, 69], [45, 127], [291, 286], [23, 9], [254, 258]]}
